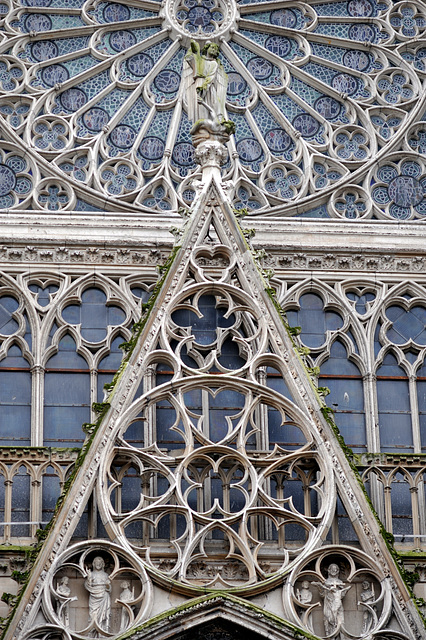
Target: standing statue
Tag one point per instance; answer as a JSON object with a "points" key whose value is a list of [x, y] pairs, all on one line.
{"points": [[125, 596], [98, 584], [333, 591], [63, 608], [304, 595], [367, 597], [205, 83]]}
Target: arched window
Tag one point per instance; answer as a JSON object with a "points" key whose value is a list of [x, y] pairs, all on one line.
{"points": [[346, 396], [66, 396], [314, 320], [402, 508], [393, 399], [50, 492], [421, 399], [109, 365], [15, 399], [21, 501]]}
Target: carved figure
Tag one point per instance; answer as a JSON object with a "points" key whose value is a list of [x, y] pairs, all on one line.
{"points": [[125, 596], [304, 595], [205, 83], [63, 608], [367, 597], [333, 591], [98, 584]]}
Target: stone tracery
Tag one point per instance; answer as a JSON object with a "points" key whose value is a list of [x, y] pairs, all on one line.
{"points": [[325, 91]]}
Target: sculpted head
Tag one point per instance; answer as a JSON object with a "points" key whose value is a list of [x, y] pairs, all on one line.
{"points": [[98, 563], [211, 50], [333, 570]]}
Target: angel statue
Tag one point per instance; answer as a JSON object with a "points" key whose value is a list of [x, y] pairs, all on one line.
{"points": [[205, 84]]}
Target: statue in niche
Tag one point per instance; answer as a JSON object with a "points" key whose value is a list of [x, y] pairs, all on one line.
{"points": [[205, 83], [63, 607], [98, 584], [367, 597], [333, 591], [304, 595], [126, 595]]}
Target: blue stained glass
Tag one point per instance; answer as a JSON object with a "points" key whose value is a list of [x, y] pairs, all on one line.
{"points": [[180, 161], [199, 16], [37, 22], [7, 179], [123, 136], [328, 107], [95, 119], [183, 154], [167, 81], [115, 12], [306, 125], [363, 33], [405, 191], [358, 60], [140, 64], [54, 74], [44, 50], [361, 8], [344, 83], [279, 45], [236, 83], [266, 73], [152, 148], [73, 99], [260, 68], [36, 3], [284, 18], [249, 149], [122, 40], [278, 141]]}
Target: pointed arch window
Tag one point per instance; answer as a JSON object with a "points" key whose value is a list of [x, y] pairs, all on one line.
{"points": [[66, 396], [421, 401], [394, 408], [15, 399], [346, 397]]}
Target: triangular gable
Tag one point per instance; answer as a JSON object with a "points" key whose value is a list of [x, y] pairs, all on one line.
{"points": [[237, 482]]}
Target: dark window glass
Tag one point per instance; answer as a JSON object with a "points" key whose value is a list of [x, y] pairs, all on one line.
{"points": [[21, 503], [66, 396], [346, 396], [15, 399], [393, 400]]}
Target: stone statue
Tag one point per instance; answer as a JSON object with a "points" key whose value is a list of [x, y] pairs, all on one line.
{"points": [[304, 595], [367, 597], [125, 596], [205, 83], [333, 591], [98, 584], [63, 607]]}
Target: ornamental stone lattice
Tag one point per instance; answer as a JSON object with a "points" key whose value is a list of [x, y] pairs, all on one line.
{"points": [[213, 477], [215, 470], [323, 95]]}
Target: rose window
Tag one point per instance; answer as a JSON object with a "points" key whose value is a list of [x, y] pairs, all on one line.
{"points": [[332, 85]]}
